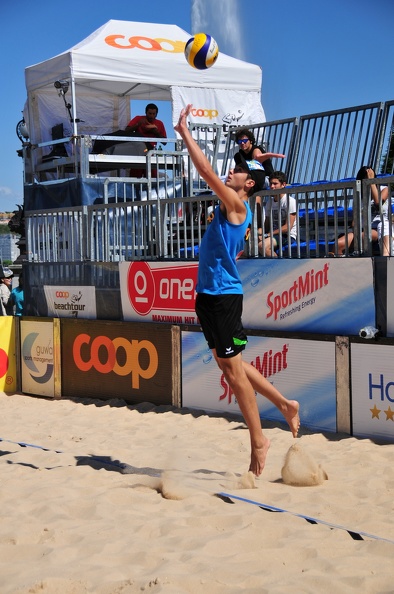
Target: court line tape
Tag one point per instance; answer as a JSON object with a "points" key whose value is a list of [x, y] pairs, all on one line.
{"points": [[104, 460], [228, 497], [31, 445], [355, 534]]}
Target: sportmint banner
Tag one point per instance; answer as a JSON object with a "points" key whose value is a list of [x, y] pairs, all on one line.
{"points": [[287, 363], [324, 296]]}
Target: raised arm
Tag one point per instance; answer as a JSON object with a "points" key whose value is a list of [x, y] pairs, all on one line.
{"points": [[234, 205], [261, 157], [374, 190]]}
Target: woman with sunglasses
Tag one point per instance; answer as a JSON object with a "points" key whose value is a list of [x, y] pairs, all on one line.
{"points": [[251, 151]]}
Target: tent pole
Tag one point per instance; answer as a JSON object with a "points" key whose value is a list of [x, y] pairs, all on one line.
{"points": [[74, 118]]}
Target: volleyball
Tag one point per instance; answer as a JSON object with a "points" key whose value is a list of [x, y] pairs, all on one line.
{"points": [[201, 51]]}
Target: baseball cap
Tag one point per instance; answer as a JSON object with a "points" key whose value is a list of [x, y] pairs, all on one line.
{"points": [[6, 272], [254, 168]]}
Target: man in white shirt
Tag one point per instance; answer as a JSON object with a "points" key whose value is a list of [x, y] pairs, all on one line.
{"points": [[279, 218]]}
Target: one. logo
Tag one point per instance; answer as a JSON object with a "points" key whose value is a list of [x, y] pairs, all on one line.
{"points": [[167, 288]]}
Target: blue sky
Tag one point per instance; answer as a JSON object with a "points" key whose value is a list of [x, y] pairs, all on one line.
{"points": [[315, 55]]}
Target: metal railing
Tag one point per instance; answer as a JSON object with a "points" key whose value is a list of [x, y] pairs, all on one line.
{"points": [[172, 227], [165, 213], [278, 136], [334, 145], [112, 232], [327, 146], [386, 140]]}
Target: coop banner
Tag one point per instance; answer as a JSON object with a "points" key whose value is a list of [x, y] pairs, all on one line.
{"points": [[218, 106], [37, 364], [286, 363], [7, 354], [324, 296], [71, 302], [116, 360], [158, 292], [372, 390]]}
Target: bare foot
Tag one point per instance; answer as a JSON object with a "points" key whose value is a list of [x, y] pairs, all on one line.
{"points": [[292, 416], [258, 457]]}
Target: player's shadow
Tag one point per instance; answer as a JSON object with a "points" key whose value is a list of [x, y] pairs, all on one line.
{"points": [[108, 463]]}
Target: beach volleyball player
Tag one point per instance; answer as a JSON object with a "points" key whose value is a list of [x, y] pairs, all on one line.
{"points": [[220, 296]]}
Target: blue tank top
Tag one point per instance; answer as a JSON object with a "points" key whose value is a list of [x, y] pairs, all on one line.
{"points": [[220, 245]]}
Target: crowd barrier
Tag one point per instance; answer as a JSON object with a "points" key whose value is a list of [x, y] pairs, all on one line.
{"points": [[302, 319], [119, 229], [350, 390]]}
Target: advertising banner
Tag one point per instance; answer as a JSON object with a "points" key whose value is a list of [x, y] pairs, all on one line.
{"points": [[7, 354], [390, 296], [116, 360], [302, 370], [37, 358], [71, 302], [372, 390], [158, 292], [322, 296], [218, 106]]}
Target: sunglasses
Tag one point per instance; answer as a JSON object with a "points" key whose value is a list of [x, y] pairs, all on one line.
{"points": [[243, 140]]}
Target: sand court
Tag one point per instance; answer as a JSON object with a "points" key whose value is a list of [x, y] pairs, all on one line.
{"points": [[121, 499]]}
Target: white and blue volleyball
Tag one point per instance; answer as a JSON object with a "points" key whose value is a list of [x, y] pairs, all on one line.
{"points": [[201, 51]]}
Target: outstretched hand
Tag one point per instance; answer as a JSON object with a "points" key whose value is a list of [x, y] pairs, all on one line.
{"points": [[264, 156], [182, 118]]}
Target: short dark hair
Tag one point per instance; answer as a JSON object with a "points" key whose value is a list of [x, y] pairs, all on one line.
{"points": [[280, 176], [245, 132], [151, 106]]}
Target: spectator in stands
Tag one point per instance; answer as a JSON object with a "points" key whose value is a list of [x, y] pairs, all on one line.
{"points": [[147, 125], [220, 295], [5, 291], [17, 296], [380, 228], [282, 209], [249, 150]]}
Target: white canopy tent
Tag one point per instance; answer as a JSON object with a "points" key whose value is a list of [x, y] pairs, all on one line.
{"points": [[125, 60]]}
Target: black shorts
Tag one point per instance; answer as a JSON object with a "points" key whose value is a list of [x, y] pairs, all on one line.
{"points": [[220, 317]]}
